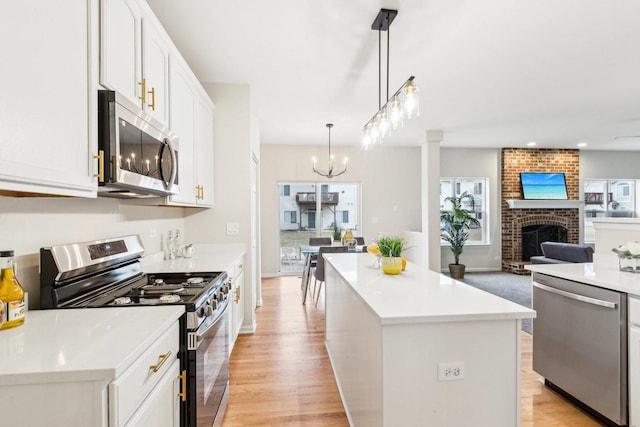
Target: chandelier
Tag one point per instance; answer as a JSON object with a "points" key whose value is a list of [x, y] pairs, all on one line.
{"points": [[403, 104], [329, 173]]}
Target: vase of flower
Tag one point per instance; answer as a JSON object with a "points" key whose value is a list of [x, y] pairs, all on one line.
{"points": [[628, 257], [631, 265]]}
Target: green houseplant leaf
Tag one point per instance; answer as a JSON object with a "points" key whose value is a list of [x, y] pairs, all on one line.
{"points": [[455, 222], [391, 246]]}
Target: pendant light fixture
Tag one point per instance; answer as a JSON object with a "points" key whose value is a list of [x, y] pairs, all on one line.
{"points": [[329, 174], [404, 104]]}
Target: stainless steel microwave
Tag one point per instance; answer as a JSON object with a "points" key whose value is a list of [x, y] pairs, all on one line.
{"points": [[140, 154]]}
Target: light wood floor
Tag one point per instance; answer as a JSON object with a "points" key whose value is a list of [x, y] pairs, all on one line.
{"points": [[281, 375]]}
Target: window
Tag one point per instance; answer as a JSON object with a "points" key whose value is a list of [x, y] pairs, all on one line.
{"points": [[311, 209], [290, 217], [476, 187], [608, 198]]}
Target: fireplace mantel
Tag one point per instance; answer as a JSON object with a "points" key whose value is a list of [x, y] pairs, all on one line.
{"points": [[544, 204]]}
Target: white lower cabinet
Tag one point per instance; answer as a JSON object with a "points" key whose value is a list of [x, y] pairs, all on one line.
{"points": [[236, 276], [634, 362], [102, 367], [148, 383], [162, 406]]}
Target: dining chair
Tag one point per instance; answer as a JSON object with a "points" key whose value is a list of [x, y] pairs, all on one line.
{"points": [[319, 241], [319, 271]]}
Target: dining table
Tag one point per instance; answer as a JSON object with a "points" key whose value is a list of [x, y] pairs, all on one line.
{"points": [[308, 251]]}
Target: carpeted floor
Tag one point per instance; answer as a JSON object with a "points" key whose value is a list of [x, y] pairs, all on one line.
{"points": [[509, 286]]}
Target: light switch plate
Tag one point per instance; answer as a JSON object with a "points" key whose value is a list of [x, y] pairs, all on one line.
{"points": [[233, 228]]}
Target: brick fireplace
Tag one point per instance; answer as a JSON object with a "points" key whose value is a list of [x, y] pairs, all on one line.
{"points": [[516, 160]]}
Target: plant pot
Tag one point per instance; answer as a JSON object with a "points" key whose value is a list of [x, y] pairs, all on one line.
{"points": [[391, 264], [456, 271]]}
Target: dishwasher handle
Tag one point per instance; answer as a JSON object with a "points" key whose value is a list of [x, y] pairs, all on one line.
{"points": [[576, 297]]}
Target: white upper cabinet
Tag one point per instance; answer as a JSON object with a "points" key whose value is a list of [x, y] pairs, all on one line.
{"points": [[135, 55], [121, 47], [181, 121], [47, 115], [155, 69], [204, 152]]}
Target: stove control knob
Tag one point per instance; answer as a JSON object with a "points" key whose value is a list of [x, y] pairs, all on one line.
{"points": [[214, 304], [220, 296], [208, 310], [226, 288], [201, 312]]}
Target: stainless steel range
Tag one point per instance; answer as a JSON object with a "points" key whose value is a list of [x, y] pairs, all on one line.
{"points": [[108, 273]]}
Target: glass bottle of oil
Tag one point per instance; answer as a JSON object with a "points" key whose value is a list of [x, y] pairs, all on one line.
{"points": [[11, 292]]}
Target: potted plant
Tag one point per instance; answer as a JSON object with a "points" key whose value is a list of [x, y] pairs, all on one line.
{"points": [[454, 228], [337, 234], [390, 248]]}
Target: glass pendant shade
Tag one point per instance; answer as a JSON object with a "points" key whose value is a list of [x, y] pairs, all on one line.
{"points": [[410, 101], [394, 109], [383, 122]]}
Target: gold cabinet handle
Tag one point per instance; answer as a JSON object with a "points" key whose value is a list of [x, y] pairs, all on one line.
{"points": [[237, 298], [100, 158], [161, 359], [202, 192], [183, 386], [143, 91], [153, 98]]}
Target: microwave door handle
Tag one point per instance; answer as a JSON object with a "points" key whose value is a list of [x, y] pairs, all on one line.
{"points": [[174, 162]]}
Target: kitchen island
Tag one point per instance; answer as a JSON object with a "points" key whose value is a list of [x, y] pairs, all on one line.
{"points": [[420, 348]]}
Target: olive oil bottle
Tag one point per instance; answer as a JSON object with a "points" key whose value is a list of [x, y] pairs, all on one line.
{"points": [[11, 292]]}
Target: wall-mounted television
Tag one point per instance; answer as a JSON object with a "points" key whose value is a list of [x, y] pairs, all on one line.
{"points": [[543, 186]]}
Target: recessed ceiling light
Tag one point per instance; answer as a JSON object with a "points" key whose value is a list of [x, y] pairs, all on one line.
{"points": [[531, 144], [582, 144]]}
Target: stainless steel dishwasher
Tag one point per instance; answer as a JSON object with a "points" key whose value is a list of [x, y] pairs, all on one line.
{"points": [[580, 344]]}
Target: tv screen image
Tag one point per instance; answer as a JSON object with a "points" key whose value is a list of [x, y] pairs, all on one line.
{"points": [[543, 186]]}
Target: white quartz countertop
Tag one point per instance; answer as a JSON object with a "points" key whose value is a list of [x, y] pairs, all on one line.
{"points": [[206, 258], [419, 295], [82, 344], [605, 276]]}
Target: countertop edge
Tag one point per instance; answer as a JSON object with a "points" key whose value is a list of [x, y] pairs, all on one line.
{"points": [[519, 312]]}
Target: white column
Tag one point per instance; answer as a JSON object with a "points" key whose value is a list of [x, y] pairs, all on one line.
{"points": [[431, 198]]}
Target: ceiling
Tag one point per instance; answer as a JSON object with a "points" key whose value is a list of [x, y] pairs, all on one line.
{"points": [[491, 73]]}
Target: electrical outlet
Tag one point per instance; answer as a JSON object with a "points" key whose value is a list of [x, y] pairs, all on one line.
{"points": [[450, 371]]}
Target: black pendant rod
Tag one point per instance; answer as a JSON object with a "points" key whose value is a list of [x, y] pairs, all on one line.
{"points": [[388, 32], [379, 69]]}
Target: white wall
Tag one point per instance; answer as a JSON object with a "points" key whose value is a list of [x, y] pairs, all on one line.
{"points": [[460, 162], [233, 142], [389, 179], [609, 164], [27, 224]]}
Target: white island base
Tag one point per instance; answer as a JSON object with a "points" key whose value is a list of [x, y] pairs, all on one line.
{"points": [[390, 338]]}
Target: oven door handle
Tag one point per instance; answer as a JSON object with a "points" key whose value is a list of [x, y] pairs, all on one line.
{"points": [[576, 297], [200, 334]]}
